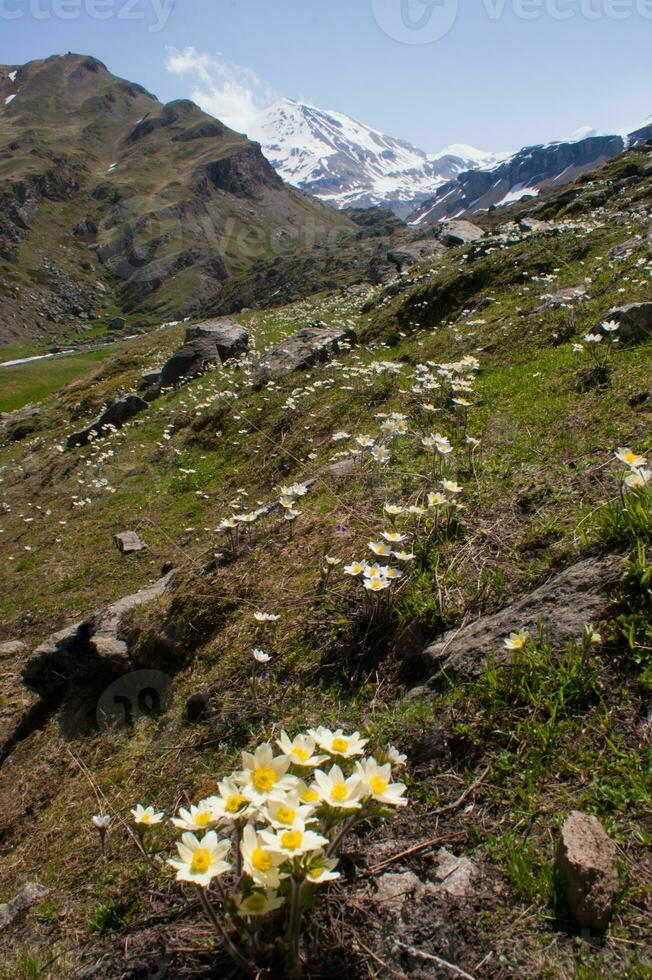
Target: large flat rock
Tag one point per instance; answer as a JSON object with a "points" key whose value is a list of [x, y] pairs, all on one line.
{"points": [[211, 342], [313, 344], [91, 645], [563, 607]]}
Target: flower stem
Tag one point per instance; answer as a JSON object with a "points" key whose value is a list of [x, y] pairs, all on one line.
{"points": [[294, 929], [233, 952]]}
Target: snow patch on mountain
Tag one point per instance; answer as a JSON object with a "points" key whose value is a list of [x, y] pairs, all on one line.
{"points": [[348, 164]]}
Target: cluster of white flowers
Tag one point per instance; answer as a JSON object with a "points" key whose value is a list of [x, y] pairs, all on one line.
{"points": [[280, 819], [638, 474]]}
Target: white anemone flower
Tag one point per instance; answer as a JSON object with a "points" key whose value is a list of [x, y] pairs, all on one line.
{"points": [[320, 869], [197, 817], [404, 556], [365, 442], [437, 500], [265, 776], [610, 326], [638, 479], [396, 757], [451, 486], [381, 455], [265, 617], [293, 842], [230, 804], [300, 750], [380, 548], [337, 743], [258, 903], [376, 583], [394, 537], [516, 640], [260, 656], [377, 781], [290, 812], [338, 791], [630, 458], [260, 862], [145, 816], [355, 568], [201, 860]]}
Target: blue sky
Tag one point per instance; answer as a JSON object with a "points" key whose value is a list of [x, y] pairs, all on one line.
{"points": [[502, 74]]}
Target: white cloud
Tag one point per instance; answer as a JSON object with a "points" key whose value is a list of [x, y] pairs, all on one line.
{"points": [[233, 93]]}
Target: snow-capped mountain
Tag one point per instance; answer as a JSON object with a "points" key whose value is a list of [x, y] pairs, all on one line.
{"points": [[348, 164], [524, 174]]}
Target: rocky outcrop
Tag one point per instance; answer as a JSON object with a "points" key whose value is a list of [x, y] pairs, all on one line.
{"points": [[209, 343], [413, 252], [635, 320], [587, 863], [454, 233], [562, 608], [313, 344], [12, 648], [114, 417], [129, 543], [30, 894], [95, 646]]}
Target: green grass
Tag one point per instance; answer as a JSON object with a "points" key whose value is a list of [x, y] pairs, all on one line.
{"points": [[27, 384]]}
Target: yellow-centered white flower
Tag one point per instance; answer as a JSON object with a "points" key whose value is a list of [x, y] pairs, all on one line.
{"points": [[377, 781], [338, 791], [288, 813], [231, 803], [258, 903], [260, 862], [145, 816], [337, 743], [516, 640], [265, 776], [294, 841], [320, 869], [200, 860], [300, 750], [197, 817], [630, 458]]}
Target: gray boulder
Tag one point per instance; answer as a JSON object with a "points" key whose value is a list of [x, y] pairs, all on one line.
{"points": [[22, 423], [11, 648], [93, 645], [313, 344], [114, 416], [587, 861], [129, 542], [31, 893], [459, 232], [118, 323], [209, 343], [413, 252], [635, 320], [563, 607]]}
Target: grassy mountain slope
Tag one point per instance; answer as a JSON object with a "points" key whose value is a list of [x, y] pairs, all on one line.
{"points": [[112, 202], [561, 729]]}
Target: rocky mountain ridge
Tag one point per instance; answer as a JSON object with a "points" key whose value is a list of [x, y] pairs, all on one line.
{"points": [[112, 202]]}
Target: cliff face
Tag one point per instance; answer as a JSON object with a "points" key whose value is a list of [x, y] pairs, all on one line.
{"points": [[109, 195], [525, 174]]}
